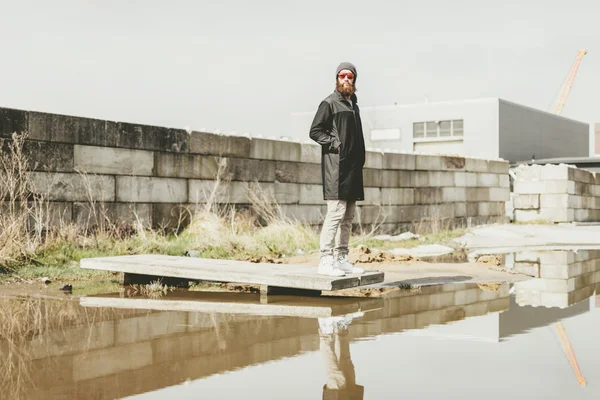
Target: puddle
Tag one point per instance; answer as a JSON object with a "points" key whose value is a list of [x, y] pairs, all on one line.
{"points": [[534, 339]]}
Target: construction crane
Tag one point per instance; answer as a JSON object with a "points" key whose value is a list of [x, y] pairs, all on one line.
{"points": [[562, 333], [568, 84]]}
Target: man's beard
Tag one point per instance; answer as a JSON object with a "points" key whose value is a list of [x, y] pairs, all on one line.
{"points": [[345, 88]]}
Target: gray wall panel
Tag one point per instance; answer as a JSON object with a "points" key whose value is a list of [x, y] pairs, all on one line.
{"points": [[525, 132]]}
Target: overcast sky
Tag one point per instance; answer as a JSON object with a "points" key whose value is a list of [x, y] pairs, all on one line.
{"points": [[244, 66]]}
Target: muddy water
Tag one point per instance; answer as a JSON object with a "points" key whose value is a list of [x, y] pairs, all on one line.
{"points": [[454, 341]]}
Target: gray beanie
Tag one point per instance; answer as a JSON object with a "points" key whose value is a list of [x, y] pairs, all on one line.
{"points": [[346, 65]]}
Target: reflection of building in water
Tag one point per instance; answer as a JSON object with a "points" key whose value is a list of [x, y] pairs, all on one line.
{"points": [[562, 278]]}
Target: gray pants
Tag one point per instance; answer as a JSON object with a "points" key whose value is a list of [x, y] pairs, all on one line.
{"points": [[337, 226]]}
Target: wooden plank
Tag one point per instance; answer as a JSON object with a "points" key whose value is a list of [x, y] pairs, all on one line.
{"points": [[279, 275], [238, 303]]}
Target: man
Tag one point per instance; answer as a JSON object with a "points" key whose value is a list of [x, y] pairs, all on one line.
{"points": [[338, 129]]}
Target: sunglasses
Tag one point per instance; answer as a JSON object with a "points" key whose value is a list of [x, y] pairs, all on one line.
{"points": [[350, 76]]}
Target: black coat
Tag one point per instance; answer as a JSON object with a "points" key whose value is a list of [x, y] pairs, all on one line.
{"points": [[337, 123]]}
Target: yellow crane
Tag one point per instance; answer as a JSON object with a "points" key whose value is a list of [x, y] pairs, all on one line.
{"points": [[568, 84], [562, 333]]}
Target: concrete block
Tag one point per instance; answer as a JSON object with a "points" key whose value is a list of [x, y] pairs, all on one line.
{"points": [[374, 160], [503, 181], [371, 177], [396, 161], [265, 149], [13, 121], [460, 179], [528, 172], [476, 165], [556, 172], [555, 200], [396, 214], [140, 189], [433, 179], [478, 194], [581, 188], [370, 215], [490, 208], [582, 175], [219, 145], [453, 194], [526, 201], [406, 179], [46, 156], [108, 160], [530, 269], [397, 196], [203, 191], [425, 195], [63, 128], [311, 194], [460, 209], [465, 179], [282, 193], [310, 153], [542, 187], [582, 215], [308, 214], [245, 169], [372, 196], [453, 163], [177, 165], [391, 179], [290, 172], [438, 212], [428, 163], [472, 209], [89, 216], [487, 180], [142, 137], [545, 214], [73, 187], [47, 215], [172, 215], [498, 167], [499, 194]]}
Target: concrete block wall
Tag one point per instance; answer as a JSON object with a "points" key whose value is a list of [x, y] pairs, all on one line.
{"points": [[555, 193], [561, 278], [151, 174]]}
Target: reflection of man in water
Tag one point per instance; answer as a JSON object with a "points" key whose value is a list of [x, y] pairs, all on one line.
{"points": [[335, 348]]}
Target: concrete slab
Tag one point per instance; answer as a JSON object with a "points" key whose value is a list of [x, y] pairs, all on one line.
{"points": [[239, 303], [278, 275], [508, 237]]}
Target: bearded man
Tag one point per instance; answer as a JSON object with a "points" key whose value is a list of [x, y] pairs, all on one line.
{"points": [[338, 129]]}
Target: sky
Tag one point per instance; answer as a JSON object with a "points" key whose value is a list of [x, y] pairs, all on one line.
{"points": [[242, 67]]}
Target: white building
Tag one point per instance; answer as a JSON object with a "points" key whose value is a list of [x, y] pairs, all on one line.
{"points": [[489, 127]]}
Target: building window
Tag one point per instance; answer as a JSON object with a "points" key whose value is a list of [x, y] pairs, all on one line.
{"points": [[457, 127], [445, 128], [419, 129], [438, 129], [431, 129]]}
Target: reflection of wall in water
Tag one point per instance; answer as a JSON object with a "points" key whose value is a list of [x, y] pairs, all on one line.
{"points": [[563, 278], [142, 351]]}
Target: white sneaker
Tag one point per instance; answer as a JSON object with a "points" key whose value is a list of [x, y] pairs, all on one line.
{"points": [[343, 262], [327, 266]]}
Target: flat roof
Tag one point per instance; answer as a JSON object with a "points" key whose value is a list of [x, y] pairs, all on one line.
{"points": [[580, 161]]}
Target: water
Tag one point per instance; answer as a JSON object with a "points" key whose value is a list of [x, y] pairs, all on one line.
{"points": [[492, 341]]}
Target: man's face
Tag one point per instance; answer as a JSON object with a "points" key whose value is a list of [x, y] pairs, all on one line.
{"points": [[345, 82]]}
